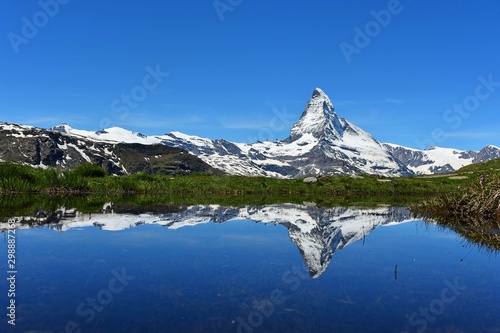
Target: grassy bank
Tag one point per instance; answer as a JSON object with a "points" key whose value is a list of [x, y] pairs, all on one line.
{"points": [[92, 179], [477, 201], [16, 178], [457, 200], [473, 210]]}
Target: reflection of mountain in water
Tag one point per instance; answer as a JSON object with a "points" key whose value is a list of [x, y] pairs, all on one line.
{"points": [[317, 232]]}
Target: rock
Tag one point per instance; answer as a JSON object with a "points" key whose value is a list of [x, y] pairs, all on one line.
{"points": [[56, 149], [310, 180]]}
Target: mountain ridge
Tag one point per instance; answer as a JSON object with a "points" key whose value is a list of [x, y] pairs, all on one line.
{"points": [[440, 160], [320, 143], [45, 148]]}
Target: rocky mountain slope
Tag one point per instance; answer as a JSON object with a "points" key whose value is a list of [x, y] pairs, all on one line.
{"points": [[440, 160], [320, 143], [48, 148]]}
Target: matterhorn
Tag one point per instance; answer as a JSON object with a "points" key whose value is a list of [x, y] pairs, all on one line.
{"points": [[320, 143]]}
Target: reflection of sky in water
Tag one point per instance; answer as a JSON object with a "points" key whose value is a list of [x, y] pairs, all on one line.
{"points": [[203, 278]]}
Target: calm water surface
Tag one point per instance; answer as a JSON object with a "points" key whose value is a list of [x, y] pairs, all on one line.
{"points": [[279, 268]]}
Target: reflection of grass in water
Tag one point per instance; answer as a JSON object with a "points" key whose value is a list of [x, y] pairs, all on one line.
{"points": [[347, 298], [30, 205], [378, 301], [481, 234]]}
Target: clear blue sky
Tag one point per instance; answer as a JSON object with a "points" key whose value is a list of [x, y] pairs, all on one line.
{"points": [[245, 70]]}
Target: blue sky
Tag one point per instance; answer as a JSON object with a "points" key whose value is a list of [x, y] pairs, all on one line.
{"points": [[416, 73]]}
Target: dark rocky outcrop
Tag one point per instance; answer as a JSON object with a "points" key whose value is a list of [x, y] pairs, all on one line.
{"points": [[43, 148]]}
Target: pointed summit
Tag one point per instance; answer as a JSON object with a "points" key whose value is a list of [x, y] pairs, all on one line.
{"points": [[319, 118], [63, 128], [318, 93]]}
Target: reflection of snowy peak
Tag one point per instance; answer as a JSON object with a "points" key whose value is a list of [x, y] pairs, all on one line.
{"points": [[317, 232]]}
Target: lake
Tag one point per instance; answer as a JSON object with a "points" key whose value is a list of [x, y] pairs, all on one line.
{"points": [[269, 268]]}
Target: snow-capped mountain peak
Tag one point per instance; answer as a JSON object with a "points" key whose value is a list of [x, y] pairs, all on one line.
{"points": [[63, 128], [320, 143], [438, 159], [111, 134], [319, 118], [318, 93]]}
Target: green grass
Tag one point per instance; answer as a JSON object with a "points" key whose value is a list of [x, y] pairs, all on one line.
{"points": [[88, 170], [473, 203], [89, 178], [477, 204], [455, 200], [473, 210], [16, 178], [488, 167], [204, 184]]}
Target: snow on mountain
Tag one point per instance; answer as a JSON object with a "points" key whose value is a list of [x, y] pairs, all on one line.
{"points": [[487, 153], [317, 232], [114, 149], [440, 160], [320, 143], [319, 119], [112, 134]]}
